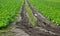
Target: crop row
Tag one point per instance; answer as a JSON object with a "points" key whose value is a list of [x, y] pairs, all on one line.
{"points": [[8, 11], [49, 8]]}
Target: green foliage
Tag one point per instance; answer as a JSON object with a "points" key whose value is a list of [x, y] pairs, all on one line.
{"points": [[49, 8], [8, 10]]}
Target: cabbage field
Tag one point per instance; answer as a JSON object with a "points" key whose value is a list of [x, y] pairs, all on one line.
{"points": [[8, 10], [29, 17], [49, 8]]}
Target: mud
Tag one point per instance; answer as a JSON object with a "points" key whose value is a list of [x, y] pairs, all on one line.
{"points": [[21, 26], [44, 27]]}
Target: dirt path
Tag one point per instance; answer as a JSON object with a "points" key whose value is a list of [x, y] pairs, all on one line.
{"points": [[21, 26], [44, 29]]}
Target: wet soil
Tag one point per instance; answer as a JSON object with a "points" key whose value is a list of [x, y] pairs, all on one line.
{"points": [[21, 26]]}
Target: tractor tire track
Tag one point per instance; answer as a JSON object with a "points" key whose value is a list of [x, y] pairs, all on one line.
{"points": [[43, 29], [43, 22], [19, 23]]}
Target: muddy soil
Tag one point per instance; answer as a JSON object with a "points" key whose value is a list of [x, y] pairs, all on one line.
{"points": [[21, 26]]}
